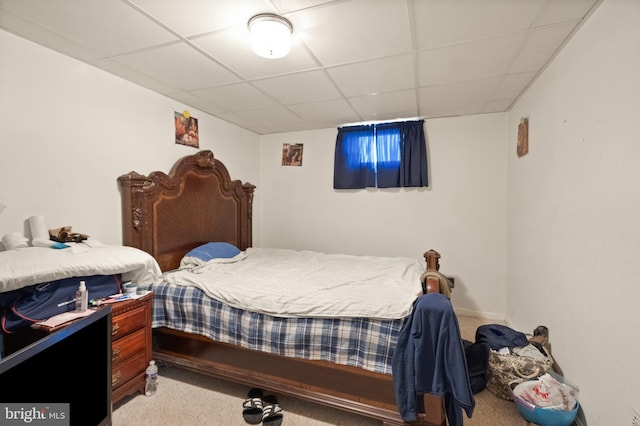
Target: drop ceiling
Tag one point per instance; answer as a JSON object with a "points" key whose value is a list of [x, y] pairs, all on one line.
{"points": [[351, 60]]}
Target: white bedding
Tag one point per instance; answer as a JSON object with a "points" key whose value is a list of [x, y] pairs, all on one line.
{"points": [[32, 265], [290, 283]]}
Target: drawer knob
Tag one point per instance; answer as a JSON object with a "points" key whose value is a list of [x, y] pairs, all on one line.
{"points": [[115, 354], [115, 378], [114, 329]]}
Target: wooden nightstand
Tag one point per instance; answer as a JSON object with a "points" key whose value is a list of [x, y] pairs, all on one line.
{"points": [[131, 345]]}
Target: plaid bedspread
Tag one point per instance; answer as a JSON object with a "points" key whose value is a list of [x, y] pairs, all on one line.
{"points": [[358, 342]]}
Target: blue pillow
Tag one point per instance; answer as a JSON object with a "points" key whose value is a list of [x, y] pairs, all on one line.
{"points": [[210, 251]]}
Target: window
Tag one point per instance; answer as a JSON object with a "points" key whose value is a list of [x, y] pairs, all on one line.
{"points": [[387, 155]]}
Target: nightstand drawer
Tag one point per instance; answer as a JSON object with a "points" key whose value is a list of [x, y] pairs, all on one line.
{"points": [[130, 345], [128, 369], [126, 346], [127, 322]]}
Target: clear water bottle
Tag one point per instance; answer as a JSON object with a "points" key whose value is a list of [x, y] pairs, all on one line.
{"points": [[151, 384]]}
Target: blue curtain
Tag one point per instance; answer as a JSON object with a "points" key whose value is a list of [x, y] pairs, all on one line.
{"points": [[413, 165], [388, 155], [354, 165]]}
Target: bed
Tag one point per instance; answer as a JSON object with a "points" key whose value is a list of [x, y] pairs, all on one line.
{"points": [[37, 283], [196, 203]]}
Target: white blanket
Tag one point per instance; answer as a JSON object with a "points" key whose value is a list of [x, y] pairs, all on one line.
{"points": [[290, 283], [32, 265]]}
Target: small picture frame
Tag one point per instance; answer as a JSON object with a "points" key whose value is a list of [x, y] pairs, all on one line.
{"points": [[523, 137], [292, 154], [186, 129]]}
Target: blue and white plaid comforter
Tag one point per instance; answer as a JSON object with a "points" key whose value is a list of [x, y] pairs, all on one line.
{"points": [[359, 342]]}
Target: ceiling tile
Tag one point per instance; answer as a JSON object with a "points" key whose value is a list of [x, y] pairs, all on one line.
{"points": [[179, 65], [124, 71], [442, 22], [292, 127], [54, 41], [385, 106], [497, 106], [235, 97], [564, 10], [445, 100], [326, 113], [189, 98], [299, 88], [192, 17], [267, 117], [341, 33], [243, 121], [539, 46], [469, 61], [286, 6], [110, 26], [511, 86], [371, 77]]}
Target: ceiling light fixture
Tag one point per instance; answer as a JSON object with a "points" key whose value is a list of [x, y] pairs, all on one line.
{"points": [[270, 35]]}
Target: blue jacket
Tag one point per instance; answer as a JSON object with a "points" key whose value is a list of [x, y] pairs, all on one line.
{"points": [[429, 358]]}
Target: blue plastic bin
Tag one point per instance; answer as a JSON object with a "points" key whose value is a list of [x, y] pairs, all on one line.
{"points": [[544, 416]]}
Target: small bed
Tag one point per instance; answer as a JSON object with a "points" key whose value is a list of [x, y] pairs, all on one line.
{"points": [[37, 283], [343, 362]]}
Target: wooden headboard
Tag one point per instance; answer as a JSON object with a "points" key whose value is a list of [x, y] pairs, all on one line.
{"points": [[197, 202]]}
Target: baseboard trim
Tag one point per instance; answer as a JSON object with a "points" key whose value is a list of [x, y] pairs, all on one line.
{"points": [[479, 314]]}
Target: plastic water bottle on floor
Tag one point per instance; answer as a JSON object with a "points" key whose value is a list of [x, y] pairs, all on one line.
{"points": [[151, 384]]}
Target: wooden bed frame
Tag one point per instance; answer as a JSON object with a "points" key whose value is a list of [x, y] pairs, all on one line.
{"points": [[197, 202]]}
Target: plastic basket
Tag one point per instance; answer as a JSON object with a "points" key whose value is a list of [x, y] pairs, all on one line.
{"points": [[544, 416]]}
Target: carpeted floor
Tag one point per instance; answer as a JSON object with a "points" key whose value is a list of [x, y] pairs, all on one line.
{"points": [[189, 399]]}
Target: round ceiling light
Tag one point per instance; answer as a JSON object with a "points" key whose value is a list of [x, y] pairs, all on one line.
{"points": [[270, 35]]}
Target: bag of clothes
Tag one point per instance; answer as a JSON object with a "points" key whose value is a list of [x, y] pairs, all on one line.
{"points": [[513, 357]]}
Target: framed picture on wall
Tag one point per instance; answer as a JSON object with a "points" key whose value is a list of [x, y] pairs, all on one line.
{"points": [[523, 137], [186, 129], [292, 154]]}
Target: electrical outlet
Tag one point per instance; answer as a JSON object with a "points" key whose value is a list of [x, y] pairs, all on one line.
{"points": [[635, 418]]}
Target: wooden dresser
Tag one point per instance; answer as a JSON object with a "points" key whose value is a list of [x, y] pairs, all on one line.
{"points": [[131, 345]]}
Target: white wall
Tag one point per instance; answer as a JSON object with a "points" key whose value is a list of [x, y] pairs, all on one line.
{"points": [[69, 130], [574, 209], [462, 214]]}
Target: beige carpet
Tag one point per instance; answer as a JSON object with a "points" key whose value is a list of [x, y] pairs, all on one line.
{"points": [[189, 399]]}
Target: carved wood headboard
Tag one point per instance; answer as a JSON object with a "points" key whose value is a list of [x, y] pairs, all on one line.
{"points": [[197, 202]]}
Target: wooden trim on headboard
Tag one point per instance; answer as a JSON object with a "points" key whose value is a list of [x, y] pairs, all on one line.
{"points": [[148, 201]]}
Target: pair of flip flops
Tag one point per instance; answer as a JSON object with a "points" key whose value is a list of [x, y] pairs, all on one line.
{"points": [[259, 408]]}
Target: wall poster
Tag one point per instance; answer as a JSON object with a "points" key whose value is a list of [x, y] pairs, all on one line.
{"points": [[186, 129], [292, 154]]}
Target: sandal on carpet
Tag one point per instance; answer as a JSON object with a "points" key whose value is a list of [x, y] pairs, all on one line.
{"points": [[271, 411], [252, 407]]}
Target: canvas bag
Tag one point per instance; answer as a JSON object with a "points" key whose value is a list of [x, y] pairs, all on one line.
{"points": [[506, 371]]}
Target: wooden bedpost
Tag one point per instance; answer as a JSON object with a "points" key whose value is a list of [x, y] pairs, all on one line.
{"points": [[433, 260], [434, 411], [432, 284], [433, 405]]}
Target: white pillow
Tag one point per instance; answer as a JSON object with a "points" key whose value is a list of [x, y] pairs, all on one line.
{"points": [[14, 240], [209, 251]]}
